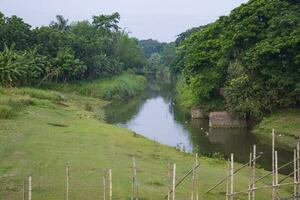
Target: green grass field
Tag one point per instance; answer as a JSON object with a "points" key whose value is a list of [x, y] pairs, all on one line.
{"points": [[48, 129], [286, 124]]}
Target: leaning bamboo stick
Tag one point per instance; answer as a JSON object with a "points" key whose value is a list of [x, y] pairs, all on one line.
{"points": [[183, 178], [286, 177], [270, 173], [260, 188], [235, 171]]}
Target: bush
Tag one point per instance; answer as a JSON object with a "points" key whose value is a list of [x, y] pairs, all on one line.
{"points": [[114, 88], [6, 112]]}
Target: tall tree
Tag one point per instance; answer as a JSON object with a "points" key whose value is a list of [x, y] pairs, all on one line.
{"points": [[61, 24]]}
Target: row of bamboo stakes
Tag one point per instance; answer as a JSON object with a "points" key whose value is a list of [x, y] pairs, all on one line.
{"points": [[251, 191], [230, 194], [134, 190]]}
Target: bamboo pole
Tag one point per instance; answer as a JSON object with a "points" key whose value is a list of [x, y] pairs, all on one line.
{"points": [[227, 180], [253, 172], [298, 169], [174, 181], [110, 183], [104, 184], [273, 167], [182, 179], [231, 177], [295, 175], [29, 188], [67, 183], [250, 183], [197, 177]]}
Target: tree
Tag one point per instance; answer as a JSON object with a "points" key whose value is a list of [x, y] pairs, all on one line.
{"points": [[107, 23], [128, 52], [252, 55], [61, 24], [13, 30], [151, 46]]}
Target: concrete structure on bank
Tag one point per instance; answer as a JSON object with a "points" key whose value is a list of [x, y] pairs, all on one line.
{"points": [[226, 120], [198, 113]]}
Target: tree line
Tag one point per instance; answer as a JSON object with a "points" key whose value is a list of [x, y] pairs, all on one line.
{"points": [[247, 63], [161, 57], [65, 51]]}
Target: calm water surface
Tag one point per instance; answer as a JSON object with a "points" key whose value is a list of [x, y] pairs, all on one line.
{"points": [[156, 116]]}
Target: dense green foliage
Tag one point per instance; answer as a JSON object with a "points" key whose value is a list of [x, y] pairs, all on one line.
{"points": [[248, 60], [63, 52], [150, 47], [161, 57]]}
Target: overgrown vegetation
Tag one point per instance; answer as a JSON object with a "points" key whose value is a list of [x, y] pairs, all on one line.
{"points": [[161, 57], [248, 61], [63, 52], [114, 88]]}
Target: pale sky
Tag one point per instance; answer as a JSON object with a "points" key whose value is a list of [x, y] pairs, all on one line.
{"points": [[156, 19]]}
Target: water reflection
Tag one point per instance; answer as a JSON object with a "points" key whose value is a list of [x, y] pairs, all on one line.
{"points": [[155, 115]]}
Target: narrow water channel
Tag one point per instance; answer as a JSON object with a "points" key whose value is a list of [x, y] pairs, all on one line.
{"points": [[155, 115]]}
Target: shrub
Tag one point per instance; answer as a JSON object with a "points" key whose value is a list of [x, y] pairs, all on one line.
{"points": [[6, 112]]}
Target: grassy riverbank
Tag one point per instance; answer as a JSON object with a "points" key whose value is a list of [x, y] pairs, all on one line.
{"points": [[47, 129], [286, 124]]}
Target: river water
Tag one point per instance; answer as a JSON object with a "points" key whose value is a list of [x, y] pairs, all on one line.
{"points": [[155, 115]]}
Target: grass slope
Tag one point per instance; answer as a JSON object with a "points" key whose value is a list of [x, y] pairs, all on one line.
{"points": [[55, 129], [286, 124]]}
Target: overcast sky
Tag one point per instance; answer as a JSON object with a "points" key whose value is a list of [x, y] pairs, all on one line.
{"points": [[156, 19]]}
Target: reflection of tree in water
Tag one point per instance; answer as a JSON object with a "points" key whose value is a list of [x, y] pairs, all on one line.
{"points": [[160, 88], [122, 112], [207, 141]]}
